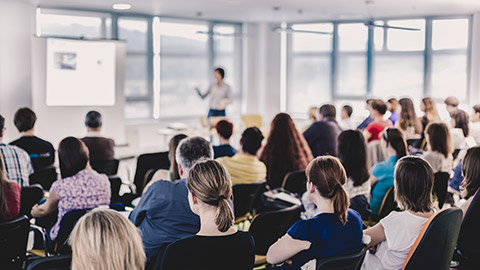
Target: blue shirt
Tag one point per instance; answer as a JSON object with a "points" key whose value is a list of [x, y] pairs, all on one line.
{"points": [[163, 215], [365, 123], [328, 237], [457, 178], [394, 117], [383, 171], [223, 150]]}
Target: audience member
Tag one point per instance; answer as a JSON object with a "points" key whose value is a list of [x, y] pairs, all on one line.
{"points": [[439, 154], [244, 167], [322, 135], [41, 152], [9, 195], [393, 107], [80, 186], [17, 161], [471, 174], [224, 130], [451, 104], [460, 130], [430, 115], [352, 152], [163, 214], [382, 172], [373, 130], [100, 148], [285, 151], [475, 124], [104, 239], [369, 118], [346, 115], [218, 243], [312, 117], [336, 230], [409, 123], [394, 236]]}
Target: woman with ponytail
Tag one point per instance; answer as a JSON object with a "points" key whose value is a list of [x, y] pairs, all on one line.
{"points": [[218, 245], [335, 230]]}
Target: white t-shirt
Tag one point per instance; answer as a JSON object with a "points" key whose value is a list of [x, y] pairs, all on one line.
{"points": [[401, 230], [438, 161], [475, 131]]}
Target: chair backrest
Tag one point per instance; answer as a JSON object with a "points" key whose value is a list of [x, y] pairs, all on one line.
{"points": [[61, 262], [13, 242], [108, 167], [115, 185], [44, 177], [435, 244], [244, 196], [252, 120], [267, 227], [440, 186], [295, 182], [469, 238], [345, 262], [29, 196], [146, 162], [67, 224], [388, 204]]}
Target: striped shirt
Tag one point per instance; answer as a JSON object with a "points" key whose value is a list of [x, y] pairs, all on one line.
{"points": [[17, 163], [244, 169]]}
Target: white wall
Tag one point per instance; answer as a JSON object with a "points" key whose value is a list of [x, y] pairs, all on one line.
{"points": [[475, 62]]}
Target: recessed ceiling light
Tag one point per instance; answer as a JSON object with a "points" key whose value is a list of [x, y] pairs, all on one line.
{"points": [[122, 6]]}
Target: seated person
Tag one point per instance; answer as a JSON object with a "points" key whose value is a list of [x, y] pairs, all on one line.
{"points": [[369, 118], [336, 230], [393, 237], [80, 186], [163, 214], [474, 126], [104, 239], [382, 173], [373, 130], [346, 115], [16, 160], [457, 179], [224, 130], [9, 196], [393, 107], [471, 174], [244, 167], [41, 152], [100, 148], [218, 244], [322, 135], [439, 153]]}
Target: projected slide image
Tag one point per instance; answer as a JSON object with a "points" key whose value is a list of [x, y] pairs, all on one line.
{"points": [[65, 60]]}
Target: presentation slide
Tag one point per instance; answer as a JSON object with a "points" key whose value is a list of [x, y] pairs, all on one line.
{"points": [[80, 73]]}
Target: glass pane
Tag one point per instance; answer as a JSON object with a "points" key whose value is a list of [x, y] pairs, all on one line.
{"points": [[225, 39], [138, 109], [352, 75], [136, 75], [311, 42], [450, 34], [134, 31], [387, 81], [352, 37], [70, 26], [308, 83], [449, 75], [185, 39], [406, 40]]}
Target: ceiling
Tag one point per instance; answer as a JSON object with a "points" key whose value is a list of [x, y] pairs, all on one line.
{"points": [[288, 10]]}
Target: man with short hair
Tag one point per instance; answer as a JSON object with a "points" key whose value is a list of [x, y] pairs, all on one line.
{"points": [[346, 115], [163, 214], [42, 153], [100, 148], [244, 167], [451, 104], [322, 135], [17, 162], [224, 130]]}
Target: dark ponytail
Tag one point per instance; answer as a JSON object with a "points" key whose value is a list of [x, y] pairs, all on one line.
{"points": [[394, 137]]}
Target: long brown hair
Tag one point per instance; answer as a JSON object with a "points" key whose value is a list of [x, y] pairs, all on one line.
{"points": [[394, 137], [6, 186], [431, 112], [461, 121], [439, 138], [285, 151], [72, 156], [471, 172], [329, 176], [408, 116]]}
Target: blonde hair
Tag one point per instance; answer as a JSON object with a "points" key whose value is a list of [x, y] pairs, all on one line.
{"points": [[210, 182], [104, 239]]}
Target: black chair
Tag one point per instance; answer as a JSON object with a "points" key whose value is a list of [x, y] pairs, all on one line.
{"points": [[387, 206], [108, 167], [13, 242], [30, 195], [345, 262], [44, 177], [68, 222], [440, 187], [61, 262], [468, 248], [295, 182], [435, 244], [146, 162], [115, 185], [244, 196]]}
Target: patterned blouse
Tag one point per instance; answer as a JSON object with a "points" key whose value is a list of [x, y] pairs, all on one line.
{"points": [[86, 189]]}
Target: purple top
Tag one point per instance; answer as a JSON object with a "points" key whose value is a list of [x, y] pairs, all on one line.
{"points": [[86, 189]]}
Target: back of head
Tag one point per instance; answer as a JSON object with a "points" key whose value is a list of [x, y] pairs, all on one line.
{"points": [[394, 138], [93, 119], [192, 149], [221, 71], [379, 105], [451, 101], [430, 109], [461, 121], [210, 182], [471, 172], [72, 156], [348, 110], [439, 138], [476, 108], [328, 111], [408, 117], [352, 152], [224, 129], [24, 119], [104, 239], [328, 176], [251, 140], [172, 148], [393, 104], [413, 184]]}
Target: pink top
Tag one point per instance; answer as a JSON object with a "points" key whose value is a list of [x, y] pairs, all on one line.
{"points": [[376, 127]]}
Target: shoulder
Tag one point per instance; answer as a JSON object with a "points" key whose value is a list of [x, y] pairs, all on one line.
{"points": [[354, 216]]}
